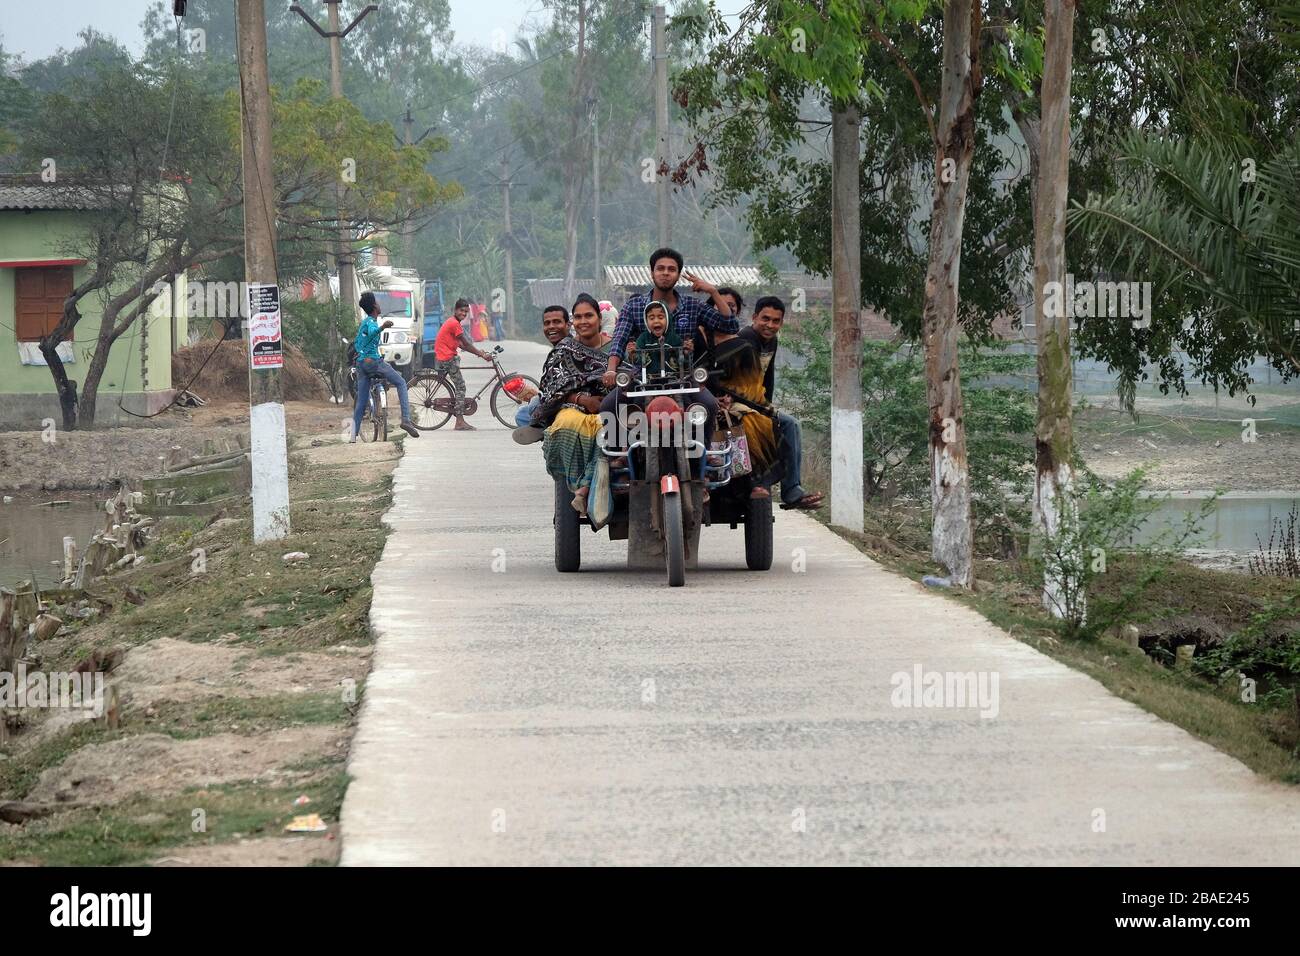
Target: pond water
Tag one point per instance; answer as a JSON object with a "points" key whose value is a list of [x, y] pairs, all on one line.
{"points": [[31, 536], [1238, 520]]}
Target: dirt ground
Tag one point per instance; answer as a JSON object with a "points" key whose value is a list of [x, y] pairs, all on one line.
{"points": [[236, 696], [97, 458], [1193, 445]]}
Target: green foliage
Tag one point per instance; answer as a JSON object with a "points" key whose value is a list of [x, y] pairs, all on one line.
{"points": [[1102, 520], [999, 417], [1217, 232], [321, 331], [1228, 88], [758, 103], [1262, 654]]}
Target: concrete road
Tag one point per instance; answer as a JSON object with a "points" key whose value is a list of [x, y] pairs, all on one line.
{"points": [[519, 716]]}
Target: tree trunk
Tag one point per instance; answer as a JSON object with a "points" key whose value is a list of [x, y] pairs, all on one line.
{"points": [[1054, 502], [846, 345], [66, 388], [95, 370], [950, 492], [575, 162]]}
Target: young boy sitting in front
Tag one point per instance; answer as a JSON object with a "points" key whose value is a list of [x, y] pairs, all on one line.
{"points": [[656, 334]]}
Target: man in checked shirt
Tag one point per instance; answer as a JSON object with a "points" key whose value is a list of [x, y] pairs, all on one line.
{"points": [[685, 314]]}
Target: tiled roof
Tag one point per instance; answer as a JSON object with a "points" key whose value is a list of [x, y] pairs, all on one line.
{"points": [[544, 292], [49, 196], [638, 277]]}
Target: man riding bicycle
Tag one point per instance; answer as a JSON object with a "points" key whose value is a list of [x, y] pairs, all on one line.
{"points": [[452, 337], [370, 366]]}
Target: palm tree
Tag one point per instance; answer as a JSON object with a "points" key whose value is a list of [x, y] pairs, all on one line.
{"points": [[1220, 230]]}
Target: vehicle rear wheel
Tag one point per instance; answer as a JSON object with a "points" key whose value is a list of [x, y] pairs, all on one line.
{"points": [[568, 525], [758, 534], [504, 405], [674, 540], [431, 403]]}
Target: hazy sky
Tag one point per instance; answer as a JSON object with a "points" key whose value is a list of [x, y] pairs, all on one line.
{"points": [[36, 29]]}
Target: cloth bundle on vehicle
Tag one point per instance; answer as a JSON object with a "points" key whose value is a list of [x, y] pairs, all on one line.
{"points": [[601, 502], [734, 432], [516, 388]]}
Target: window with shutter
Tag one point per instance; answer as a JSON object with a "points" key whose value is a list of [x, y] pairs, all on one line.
{"points": [[38, 300]]}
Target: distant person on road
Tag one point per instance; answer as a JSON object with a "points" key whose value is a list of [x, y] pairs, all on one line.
{"points": [[498, 327], [452, 337], [555, 326], [608, 316], [371, 366]]}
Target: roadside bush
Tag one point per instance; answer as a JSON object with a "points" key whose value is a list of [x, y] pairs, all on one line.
{"points": [[1104, 521], [317, 329], [895, 420]]}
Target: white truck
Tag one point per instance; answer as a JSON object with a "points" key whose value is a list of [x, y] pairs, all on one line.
{"points": [[400, 294]]}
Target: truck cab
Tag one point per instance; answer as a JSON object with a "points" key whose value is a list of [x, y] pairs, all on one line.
{"points": [[400, 295], [435, 311]]}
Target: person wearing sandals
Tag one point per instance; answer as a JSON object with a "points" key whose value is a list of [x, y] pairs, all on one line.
{"points": [[762, 334], [570, 402]]}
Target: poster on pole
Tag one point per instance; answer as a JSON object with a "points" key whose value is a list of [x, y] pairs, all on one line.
{"points": [[265, 347]]}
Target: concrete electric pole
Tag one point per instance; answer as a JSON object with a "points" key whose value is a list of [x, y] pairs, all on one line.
{"points": [[660, 53], [510, 246], [599, 274], [846, 339], [408, 139], [343, 254], [270, 471]]}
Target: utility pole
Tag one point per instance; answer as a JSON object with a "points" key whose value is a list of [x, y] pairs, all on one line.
{"points": [[599, 274], [846, 340], [660, 54], [270, 466], [343, 252], [510, 247], [408, 139]]}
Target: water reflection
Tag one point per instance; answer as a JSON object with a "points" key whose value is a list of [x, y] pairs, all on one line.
{"points": [[31, 536]]}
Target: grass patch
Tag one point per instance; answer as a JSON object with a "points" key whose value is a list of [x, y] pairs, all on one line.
{"points": [[140, 829]]}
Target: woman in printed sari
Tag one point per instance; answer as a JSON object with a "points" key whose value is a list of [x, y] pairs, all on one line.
{"points": [[570, 400]]}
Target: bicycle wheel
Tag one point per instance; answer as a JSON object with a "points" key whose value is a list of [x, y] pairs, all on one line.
{"points": [[504, 405], [369, 421], [432, 403]]}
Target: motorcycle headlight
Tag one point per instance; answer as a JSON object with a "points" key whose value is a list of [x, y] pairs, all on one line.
{"points": [[697, 415], [622, 379], [701, 375]]}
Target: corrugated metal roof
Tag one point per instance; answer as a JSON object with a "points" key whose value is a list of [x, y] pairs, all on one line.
{"points": [[49, 196], [544, 292], [638, 277]]}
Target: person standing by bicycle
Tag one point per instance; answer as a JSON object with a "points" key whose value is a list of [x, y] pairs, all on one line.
{"points": [[370, 366], [452, 337]]}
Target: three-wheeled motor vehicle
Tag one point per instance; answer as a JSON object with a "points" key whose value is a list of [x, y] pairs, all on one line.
{"points": [[653, 472]]}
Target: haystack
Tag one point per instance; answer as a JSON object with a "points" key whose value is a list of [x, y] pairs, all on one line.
{"points": [[225, 376]]}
